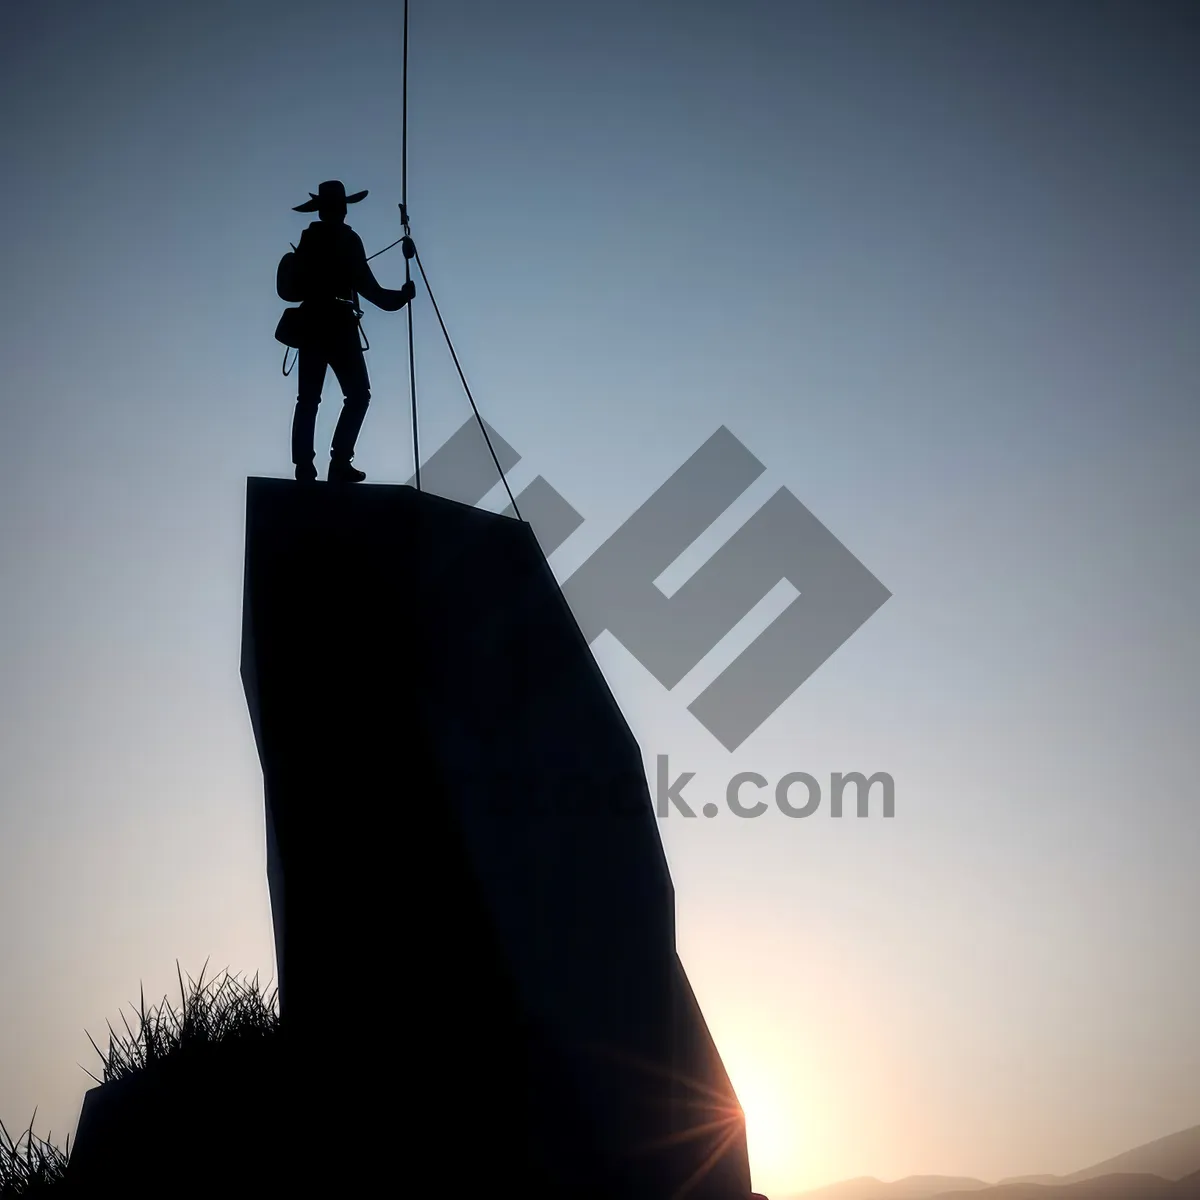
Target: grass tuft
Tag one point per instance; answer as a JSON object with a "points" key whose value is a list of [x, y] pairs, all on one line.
{"points": [[224, 1010], [227, 1008], [30, 1164]]}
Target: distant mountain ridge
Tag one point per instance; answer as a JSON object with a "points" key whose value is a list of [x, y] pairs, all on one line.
{"points": [[1166, 1169], [1117, 1186], [1172, 1157], [912, 1187]]}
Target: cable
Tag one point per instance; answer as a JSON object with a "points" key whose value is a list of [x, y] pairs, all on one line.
{"points": [[474, 408]]}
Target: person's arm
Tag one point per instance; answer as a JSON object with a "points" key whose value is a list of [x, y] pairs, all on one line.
{"points": [[369, 288]]}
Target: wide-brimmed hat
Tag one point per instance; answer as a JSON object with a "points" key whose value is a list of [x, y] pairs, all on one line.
{"points": [[331, 193]]}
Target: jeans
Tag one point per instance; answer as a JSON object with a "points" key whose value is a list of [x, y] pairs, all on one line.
{"points": [[330, 344]]}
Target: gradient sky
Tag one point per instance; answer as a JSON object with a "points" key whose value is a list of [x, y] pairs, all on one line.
{"points": [[936, 264]]}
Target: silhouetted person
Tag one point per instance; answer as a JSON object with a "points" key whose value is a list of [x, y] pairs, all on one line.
{"points": [[334, 272]]}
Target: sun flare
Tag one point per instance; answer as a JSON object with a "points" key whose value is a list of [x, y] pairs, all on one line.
{"points": [[770, 1133]]}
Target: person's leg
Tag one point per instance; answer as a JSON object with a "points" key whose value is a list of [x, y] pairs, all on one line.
{"points": [[310, 373], [350, 367]]}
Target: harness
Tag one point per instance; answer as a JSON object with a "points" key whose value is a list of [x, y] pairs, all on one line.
{"points": [[294, 329]]}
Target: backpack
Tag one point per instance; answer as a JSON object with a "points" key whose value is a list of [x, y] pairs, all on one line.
{"points": [[289, 277], [289, 284]]}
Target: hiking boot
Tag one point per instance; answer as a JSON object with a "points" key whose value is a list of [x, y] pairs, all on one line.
{"points": [[306, 472], [344, 472]]}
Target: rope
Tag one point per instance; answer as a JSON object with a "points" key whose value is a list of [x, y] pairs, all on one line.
{"points": [[474, 408], [410, 252], [412, 386], [412, 359], [404, 125], [385, 249]]}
